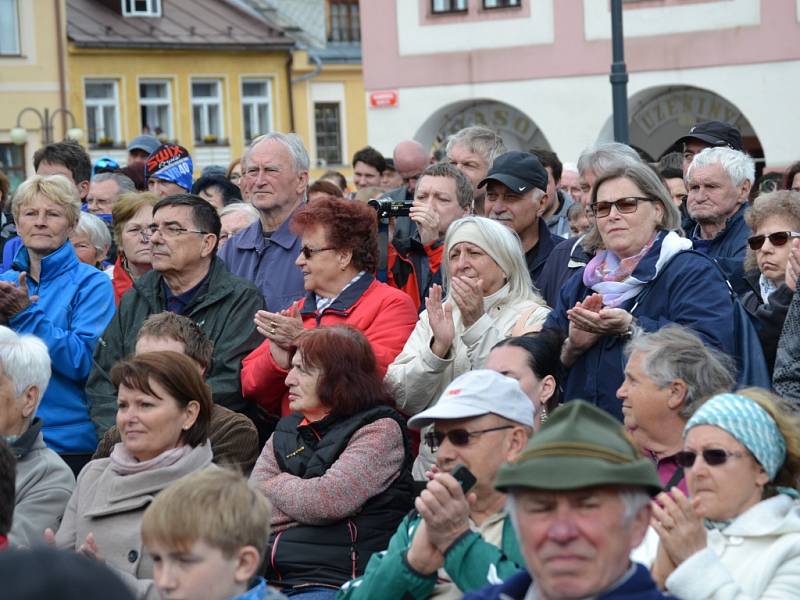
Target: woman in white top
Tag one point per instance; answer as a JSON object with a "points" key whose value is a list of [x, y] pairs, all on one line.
{"points": [[489, 297], [738, 537]]}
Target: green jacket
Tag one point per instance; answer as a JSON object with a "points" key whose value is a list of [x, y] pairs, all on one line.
{"points": [[223, 308], [470, 562]]}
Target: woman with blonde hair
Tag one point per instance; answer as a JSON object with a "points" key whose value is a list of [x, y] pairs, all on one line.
{"points": [[49, 293], [738, 533]]}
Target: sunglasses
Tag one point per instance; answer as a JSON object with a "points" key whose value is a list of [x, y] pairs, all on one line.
{"points": [[713, 457], [779, 238], [624, 206], [457, 437], [308, 252]]}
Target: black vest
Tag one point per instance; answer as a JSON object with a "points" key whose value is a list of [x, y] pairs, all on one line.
{"points": [[330, 555]]}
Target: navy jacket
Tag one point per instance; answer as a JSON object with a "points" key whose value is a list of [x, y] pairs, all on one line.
{"points": [[269, 265], [565, 259], [547, 241], [728, 248], [639, 586], [691, 292]]}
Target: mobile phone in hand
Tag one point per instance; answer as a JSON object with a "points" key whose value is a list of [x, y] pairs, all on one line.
{"points": [[464, 477]]}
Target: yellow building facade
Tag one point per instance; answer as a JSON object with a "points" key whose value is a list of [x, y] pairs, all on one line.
{"points": [[32, 74], [168, 80]]}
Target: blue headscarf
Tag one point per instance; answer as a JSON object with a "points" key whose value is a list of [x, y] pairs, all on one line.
{"points": [[751, 425]]}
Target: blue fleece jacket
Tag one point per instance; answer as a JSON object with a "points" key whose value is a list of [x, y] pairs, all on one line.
{"points": [[76, 303]]}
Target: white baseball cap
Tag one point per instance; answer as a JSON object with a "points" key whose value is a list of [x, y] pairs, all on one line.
{"points": [[478, 393]]}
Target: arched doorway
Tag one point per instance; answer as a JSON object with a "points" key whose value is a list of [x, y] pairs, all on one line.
{"points": [[518, 130], [660, 115]]}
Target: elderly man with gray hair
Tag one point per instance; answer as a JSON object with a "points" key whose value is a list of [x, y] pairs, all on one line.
{"points": [[472, 151], [718, 182], [44, 482], [669, 374], [105, 189], [275, 176], [579, 498]]}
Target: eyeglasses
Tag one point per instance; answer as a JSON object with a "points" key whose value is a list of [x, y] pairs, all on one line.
{"points": [[713, 457], [308, 252], [457, 437], [168, 232], [624, 206], [779, 238]]}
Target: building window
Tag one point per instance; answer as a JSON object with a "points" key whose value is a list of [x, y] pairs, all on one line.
{"points": [[500, 3], [448, 6], [343, 21], [207, 110], [102, 121], [327, 126], [256, 108], [141, 8], [9, 28], [155, 104], [12, 163]]}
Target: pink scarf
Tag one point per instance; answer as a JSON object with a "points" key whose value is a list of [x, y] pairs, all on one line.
{"points": [[611, 276], [124, 463]]}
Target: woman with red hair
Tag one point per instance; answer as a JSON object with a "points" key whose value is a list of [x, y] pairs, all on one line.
{"points": [[337, 471], [338, 261]]}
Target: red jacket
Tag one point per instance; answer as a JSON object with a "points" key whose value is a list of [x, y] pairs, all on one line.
{"points": [[384, 314]]}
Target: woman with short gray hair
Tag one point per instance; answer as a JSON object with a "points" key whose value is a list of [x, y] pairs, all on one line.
{"points": [[44, 483], [91, 240]]}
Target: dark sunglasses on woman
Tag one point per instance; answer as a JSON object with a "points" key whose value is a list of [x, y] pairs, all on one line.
{"points": [[779, 238], [713, 457], [624, 206]]}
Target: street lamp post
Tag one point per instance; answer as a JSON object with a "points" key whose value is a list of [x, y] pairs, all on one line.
{"points": [[19, 135], [619, 75]]}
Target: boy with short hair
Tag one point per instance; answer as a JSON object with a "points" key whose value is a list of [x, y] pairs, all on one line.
{"points": [[578, 219], [207, 535]]}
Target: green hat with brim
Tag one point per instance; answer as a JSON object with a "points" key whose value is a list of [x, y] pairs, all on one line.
{"points": [[579, 446]]}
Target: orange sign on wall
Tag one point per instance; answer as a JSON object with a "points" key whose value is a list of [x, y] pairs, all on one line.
{"points": [[383, 98]]}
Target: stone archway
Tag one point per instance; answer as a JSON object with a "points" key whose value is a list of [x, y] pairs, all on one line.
{"points": [[660, 115], [518, 130]]}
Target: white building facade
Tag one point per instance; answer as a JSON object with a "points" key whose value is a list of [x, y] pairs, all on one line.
{"points": [[537, 71]]}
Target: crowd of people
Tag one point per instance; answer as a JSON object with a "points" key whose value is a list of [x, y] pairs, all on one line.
{"points": [[477, 372]]}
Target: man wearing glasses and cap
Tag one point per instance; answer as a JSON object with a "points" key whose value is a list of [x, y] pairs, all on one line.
{"points": [[579, 495], [456, 542]]}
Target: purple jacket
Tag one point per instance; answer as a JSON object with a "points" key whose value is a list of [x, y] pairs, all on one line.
{"points": [[269, 265]]}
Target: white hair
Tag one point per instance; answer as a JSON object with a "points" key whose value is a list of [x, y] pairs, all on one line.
{"points": [[244, 207], [96, 229], [293, 144], [737, 165], [25, 360]]}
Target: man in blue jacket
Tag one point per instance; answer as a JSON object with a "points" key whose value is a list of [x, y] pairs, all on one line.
{"points": [[719, 182], [579, 495]]}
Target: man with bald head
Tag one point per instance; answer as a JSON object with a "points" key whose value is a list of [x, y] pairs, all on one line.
{"points": [[410, 159]]}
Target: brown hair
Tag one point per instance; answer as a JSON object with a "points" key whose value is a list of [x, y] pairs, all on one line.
{"points": [[325, 186], [181, 329], [348, 225], [349, 381], [126, 206], [180, 379], [784, 204]]}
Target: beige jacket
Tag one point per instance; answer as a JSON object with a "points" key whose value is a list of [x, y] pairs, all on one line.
{"points": [[418, 377], [111, 505]]}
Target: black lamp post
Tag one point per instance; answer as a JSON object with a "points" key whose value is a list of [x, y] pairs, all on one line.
{"points": [[619, 74]]}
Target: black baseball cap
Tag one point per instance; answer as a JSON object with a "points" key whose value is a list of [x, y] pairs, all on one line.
{"points": [[519, 171], [715, 133]]}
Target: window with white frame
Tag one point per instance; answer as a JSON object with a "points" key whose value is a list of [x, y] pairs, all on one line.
{"points": [[141, 8], [256, 107], [9, 28], [500, 3], [102, 118], [328, 133], [207, 110], [448, 6], [155, 107]]}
